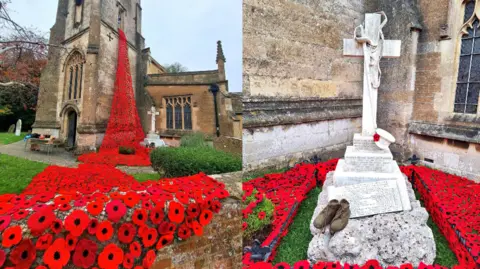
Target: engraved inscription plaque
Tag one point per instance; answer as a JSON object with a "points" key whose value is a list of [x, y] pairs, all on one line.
{"points": [[369, 198]]}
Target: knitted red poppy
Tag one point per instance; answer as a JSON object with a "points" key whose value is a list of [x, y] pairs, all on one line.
{"points": [[193, 210], [135, 249], [56, 256], [77, 222], [40, 221], [126, 233], [95, 208], [149, 237], [157, 215], [56, 226], [184, 232], [110, 257], [149, 259], [176, 212], [139, 217], [92, 226], [11, 236], [85, 253], [20, 214], [104, 231], [44, 241], [23, 255], [131, 199], [115, 210], [205, 217], [164, 240], [70, 242], [4, 222], [167, 228], [128, 261]]}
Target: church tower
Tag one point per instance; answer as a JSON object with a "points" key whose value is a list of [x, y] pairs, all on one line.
{"points": [[76, 86]]}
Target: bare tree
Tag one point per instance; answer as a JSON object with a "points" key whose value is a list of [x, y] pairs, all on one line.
{"points": [[20, 46]]}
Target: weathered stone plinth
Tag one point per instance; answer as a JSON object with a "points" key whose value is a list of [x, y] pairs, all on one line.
{"points": [[391, 238]]}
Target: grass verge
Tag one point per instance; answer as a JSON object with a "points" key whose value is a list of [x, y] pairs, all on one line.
{"points": [[294, 245], [8, 138]]}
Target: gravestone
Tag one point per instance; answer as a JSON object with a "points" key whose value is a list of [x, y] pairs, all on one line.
{"points": [[18, 128], [11, 129], [152, 137], [370, 179]]}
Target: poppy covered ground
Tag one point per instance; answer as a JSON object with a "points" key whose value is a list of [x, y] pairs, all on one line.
{"points": [[452, 201], [97, 216]]}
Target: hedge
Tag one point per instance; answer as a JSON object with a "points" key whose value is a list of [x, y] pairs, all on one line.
{"points": [[185, 161]]}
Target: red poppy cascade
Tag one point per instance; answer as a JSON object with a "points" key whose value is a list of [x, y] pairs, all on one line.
{"points": [[124, 127]]}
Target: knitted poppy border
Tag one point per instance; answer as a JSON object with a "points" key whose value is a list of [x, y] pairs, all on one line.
{"points": [[286, 191], [96, 216], [445, 197]]}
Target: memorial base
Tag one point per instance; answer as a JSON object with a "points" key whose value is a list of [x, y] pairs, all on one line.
{"points": [[390, 238], [155, 139], [369, 179]]}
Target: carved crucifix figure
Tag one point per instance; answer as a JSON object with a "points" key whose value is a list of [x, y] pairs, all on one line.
{"points": [[153, 112], [369, 42]]}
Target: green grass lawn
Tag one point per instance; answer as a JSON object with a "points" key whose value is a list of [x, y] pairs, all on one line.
{"points": [[145, 177], [6, 138], [16, 173], [294, 245]]}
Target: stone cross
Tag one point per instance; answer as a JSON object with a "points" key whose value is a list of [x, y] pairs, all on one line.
{"points": [[153, 112], [18, 128], [370, 44]]}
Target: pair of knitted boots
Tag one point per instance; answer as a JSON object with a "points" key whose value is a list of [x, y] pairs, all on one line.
{"points": [[336, 214]]}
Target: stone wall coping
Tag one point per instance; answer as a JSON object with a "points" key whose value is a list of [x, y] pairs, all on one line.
{"points": [[273, 111], [460, 133]]}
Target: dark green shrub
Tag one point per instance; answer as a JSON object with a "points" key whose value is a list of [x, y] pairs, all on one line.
{"points": [[185, 161], [193, 140], [126, 150]]}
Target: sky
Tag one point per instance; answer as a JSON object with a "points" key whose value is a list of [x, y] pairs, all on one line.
{"points": [[184, 31]]}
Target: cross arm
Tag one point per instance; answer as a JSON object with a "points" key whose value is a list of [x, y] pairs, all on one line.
{"points": [[391, 48]]}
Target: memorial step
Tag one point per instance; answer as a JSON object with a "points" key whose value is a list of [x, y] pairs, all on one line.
{"points": [[342, 176], [352, 155]]}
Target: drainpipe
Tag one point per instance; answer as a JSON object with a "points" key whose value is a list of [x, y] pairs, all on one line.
{"points": [[214, 89]]}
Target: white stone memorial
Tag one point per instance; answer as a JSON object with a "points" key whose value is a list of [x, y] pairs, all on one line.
{"points": [[152, 137], [18, 127], [368, 177]]}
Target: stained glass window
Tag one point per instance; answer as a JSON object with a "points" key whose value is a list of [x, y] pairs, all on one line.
{"points": [[76, 84], [73, 79], [468, 81]]}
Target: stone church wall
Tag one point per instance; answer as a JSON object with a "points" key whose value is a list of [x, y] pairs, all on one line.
{"points": [[450, 140], [293, 68]]}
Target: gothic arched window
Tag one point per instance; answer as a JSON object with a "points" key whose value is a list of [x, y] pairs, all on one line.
{"points": [[468, 81], [74, 76], [179, 112]]}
